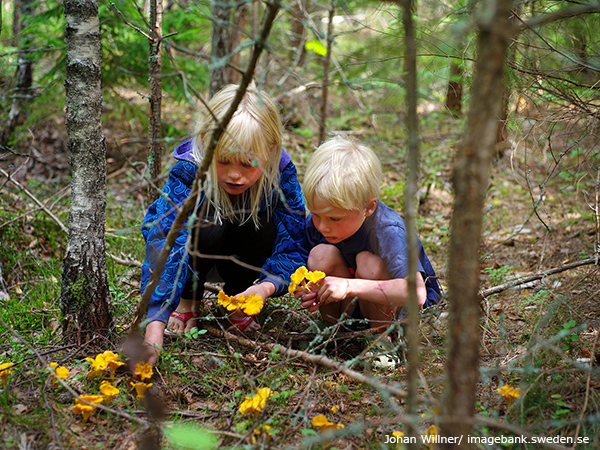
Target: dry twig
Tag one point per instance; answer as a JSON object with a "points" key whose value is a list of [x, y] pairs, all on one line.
{"points": [[320, 360]]}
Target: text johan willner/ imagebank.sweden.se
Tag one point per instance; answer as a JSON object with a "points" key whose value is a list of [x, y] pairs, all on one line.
{"points": [[437, 439]]}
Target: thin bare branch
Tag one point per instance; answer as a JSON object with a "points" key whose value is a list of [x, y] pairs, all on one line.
{"points": [[320, 360], [538, 276], [190, 202]]}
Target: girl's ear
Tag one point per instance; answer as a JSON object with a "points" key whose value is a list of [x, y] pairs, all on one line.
{"points": [[370, 209]]}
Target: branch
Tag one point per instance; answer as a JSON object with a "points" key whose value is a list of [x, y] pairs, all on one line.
{"points": [[320, 360], [129, 24], [537, 276], [543, 19], [34, 198], [190, 202], [124, 262]]}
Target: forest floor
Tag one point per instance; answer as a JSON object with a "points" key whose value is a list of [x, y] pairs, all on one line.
{"points": [[541, 337]]}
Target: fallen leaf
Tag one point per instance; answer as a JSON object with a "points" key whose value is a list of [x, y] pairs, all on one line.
{"points": [[20, 408], [54, 325], [513, 316]]}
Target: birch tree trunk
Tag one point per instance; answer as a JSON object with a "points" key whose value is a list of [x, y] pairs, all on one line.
{"points": [[84, 285], [471, 177]]}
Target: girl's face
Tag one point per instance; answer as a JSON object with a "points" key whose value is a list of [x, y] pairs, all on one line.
{"points": [[237, 177]]}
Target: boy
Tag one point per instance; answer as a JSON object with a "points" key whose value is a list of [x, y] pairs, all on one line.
{"points": [[359, 242]]}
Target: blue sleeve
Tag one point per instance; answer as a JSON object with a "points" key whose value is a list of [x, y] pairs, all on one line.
{"points": [[155, 227], [289, 250]]}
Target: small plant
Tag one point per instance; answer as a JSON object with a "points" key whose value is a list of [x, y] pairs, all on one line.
{"points": [[194, 333], [560, 406], [570, 338], [498, 275]]}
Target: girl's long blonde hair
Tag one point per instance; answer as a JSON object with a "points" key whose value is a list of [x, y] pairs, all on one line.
{"points": [[253, 135]]}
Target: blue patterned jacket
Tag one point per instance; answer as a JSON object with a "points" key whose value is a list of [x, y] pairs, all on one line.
{"points": [[289, 250]]}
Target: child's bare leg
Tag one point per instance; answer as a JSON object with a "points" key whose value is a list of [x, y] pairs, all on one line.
{"points": [[372, 267], [327, 258], [179, 326]]}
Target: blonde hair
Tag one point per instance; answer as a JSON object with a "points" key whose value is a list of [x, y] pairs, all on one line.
{"points": [[253, 135], [345, 173]]}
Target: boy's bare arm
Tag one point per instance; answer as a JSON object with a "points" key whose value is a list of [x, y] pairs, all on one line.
{"points": [[384, 292]]}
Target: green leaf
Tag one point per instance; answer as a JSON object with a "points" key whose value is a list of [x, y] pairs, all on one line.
{"points": [[190, 437], [316, 47]]}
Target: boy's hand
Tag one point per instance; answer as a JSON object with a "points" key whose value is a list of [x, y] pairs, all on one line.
{"points": [[333, 289], [309, 299]]}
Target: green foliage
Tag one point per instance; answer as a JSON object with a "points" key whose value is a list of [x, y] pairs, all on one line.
{"points": [[498, 275], [393, 195]]}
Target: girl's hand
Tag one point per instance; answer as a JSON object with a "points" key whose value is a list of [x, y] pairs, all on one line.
{"points": [[333, 289], [265, 290]]}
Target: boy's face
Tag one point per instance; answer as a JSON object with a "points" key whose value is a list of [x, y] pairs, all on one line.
{"points": [[336, 224]]}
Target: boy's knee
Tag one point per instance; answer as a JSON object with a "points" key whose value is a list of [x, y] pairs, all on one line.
{"points": [[371, 267], [324, 257]]}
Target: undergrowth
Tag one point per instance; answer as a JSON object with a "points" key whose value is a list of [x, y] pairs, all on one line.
{"points": [[540, 339]]}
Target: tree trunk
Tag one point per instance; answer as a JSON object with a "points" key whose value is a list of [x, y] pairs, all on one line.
{"points": [[410, 208], [155, 84], [240, 18], [501, 133], [455, 89], [298, 32], [220, 46], [16, 25], [471, 176], [23, 74], [326, 64], [84, 286]]}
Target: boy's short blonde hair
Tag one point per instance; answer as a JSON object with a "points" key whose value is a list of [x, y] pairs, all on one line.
{"points": [[253, 134], [345, 173]]}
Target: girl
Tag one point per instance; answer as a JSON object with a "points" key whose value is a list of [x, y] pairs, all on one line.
{"points": [[251, 210]]}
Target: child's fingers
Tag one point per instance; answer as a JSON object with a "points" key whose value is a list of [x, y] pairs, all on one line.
{"points": [[311, 304], [300, 294]]}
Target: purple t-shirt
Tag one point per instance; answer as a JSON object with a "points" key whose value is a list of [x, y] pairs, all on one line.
{"points": [[384, 234]]}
